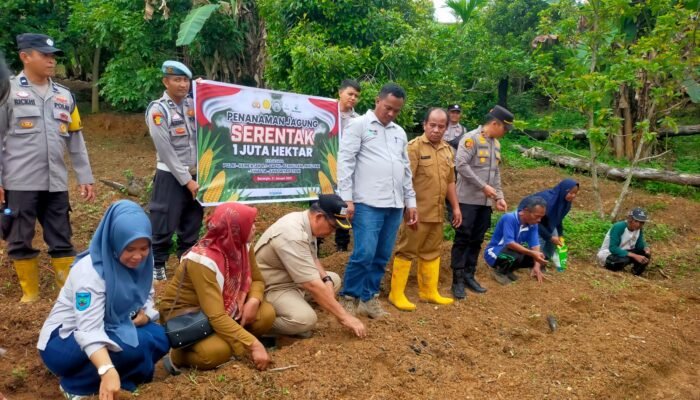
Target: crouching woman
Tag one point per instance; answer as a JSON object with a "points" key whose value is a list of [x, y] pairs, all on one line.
{"points": [[219, 276], [100, 335]]}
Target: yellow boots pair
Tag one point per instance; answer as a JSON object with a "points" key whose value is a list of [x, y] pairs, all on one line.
{"points": [[28, 274], [428, 276]]}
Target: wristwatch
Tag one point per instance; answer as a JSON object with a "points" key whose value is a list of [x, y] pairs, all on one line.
{"points": [[103, 369], [327, 278]]}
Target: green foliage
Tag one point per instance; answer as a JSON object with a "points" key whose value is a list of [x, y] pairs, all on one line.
{"points": [[584, 232], [193, 23], [658, 232]]}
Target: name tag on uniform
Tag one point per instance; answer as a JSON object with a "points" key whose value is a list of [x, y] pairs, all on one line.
{"points": [[424, 157]]}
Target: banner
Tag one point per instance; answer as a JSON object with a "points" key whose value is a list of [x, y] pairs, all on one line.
{"points": [[261, 146]]}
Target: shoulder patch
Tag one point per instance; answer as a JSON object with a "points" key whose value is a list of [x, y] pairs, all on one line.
{"points": [[82, 300], [469, 143], [157, 118]]}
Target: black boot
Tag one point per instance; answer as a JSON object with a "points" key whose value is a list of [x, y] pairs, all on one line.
{"points": [[472, 284], [458, 284]]}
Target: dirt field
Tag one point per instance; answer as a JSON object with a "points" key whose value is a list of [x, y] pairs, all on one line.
{"points": [[619, 336]]}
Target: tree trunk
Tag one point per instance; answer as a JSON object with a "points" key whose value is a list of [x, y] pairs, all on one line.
{"points": [[627, 126], [618, 137], [503, 92], [95, 80], [581, 134], [594, 170], [628, 180], [615, 173]]}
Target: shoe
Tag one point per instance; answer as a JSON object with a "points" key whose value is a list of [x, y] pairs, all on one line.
{"points": [[371, 308], [511, 275], [458, 284], [61, 268], [159, 273], [71, 396], [170, 367], [428, 279], [349, 304], [399, 277], [471, 283], [28, 273], [500, 278]]}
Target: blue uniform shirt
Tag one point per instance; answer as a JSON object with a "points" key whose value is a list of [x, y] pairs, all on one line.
{"points": [[509, 230]]}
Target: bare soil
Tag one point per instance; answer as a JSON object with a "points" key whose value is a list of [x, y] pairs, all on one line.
{"points": [[618, 336]]}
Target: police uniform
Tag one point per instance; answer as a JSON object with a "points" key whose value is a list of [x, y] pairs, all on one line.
{"points": [[36, 130], [477, 162], [432, 168], [172, 208]]}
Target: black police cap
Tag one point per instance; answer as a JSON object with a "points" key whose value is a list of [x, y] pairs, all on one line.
{"points": [[503, 115], [38, 42]]}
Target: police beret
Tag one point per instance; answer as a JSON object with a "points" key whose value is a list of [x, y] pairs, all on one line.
{"points": [[176, 68], [454, 107], [38, 42], [503, 115]]}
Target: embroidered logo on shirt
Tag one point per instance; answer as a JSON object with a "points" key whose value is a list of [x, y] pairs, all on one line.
{"points": [[63, 128], [157, 119], [23, 94], [190, 113], [469, 143], [61, 99], [82, 300], [26, 124]]}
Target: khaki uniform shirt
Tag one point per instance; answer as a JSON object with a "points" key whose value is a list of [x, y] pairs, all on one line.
{"points": [[478, 159], [433, 171], [35, 132], [286, 253], [174, 134]]}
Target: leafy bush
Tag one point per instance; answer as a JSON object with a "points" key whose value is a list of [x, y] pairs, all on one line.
{"points": [[584, 232]]}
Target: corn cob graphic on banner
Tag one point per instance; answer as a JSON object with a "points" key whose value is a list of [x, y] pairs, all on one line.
{"points": [[260, 146]]}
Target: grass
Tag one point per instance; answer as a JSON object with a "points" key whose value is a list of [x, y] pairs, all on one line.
{"points": [[584, 232]]}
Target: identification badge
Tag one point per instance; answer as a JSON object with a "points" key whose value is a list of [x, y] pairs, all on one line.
{"points": [[26, 124]]}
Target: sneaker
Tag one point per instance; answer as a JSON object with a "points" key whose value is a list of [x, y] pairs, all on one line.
{"points": [[170, 367], [500, 278], [511, 275], [371, 308], [71, 396], [349, 304], [159, 273]]}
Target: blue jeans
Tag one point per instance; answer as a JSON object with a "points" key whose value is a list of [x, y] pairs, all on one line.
{"points": [[374, 234], [77, 374]]}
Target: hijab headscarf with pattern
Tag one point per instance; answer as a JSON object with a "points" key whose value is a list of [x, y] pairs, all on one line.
{"points": [[225, 242]]}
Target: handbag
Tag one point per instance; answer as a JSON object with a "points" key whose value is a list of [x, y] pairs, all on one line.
{"points": [[186, 329]]}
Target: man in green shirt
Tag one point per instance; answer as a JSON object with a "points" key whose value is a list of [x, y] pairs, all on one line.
{"points": [[624, 244]]}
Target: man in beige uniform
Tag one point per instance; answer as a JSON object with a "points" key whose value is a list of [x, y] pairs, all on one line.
{"points": [[432, 168], [286, 256]]}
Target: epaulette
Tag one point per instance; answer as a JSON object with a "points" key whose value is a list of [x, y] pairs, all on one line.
{"points": [[413, 140], [61, 86]]}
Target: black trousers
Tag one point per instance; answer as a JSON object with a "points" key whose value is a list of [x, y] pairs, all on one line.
{"points": [[617, 263], [509, 260], [52, 209], [172, 210], [476, 220]]}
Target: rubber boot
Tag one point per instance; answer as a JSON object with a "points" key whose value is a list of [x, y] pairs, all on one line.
{"points": [[472, 284], [28, 274], [399, 277], [61, 268], [458, 284], [428, 278]]}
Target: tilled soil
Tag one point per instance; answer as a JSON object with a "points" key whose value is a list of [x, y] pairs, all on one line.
{"points": [[618, 336]]}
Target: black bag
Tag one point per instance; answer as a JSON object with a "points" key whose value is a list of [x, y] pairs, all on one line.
{"points": [[187, 329]]}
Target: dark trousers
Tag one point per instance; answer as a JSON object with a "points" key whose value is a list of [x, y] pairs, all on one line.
{"points": [[52, 209], [342, 237], [135, 365], [509, 260], [172, 210], [617, 263], [476, 220]]}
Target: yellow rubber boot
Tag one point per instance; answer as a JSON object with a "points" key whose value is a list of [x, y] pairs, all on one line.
{"points": [[399, 277], [61, 268], [28, 274], [428, 278]]}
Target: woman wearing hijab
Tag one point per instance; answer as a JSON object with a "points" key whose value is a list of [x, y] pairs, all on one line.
{"points": [[559, 199], [219, 276], [99, 336]]}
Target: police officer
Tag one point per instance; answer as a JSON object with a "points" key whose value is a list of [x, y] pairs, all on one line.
{"points": [[455, 130], [39, 122], [478, 187], [173, 207], [432, 168]]}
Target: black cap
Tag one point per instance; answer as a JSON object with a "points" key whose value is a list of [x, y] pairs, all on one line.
{"points": [[638, 214], [454, 107], [503, 115], [335, 208], [38, 42]]}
